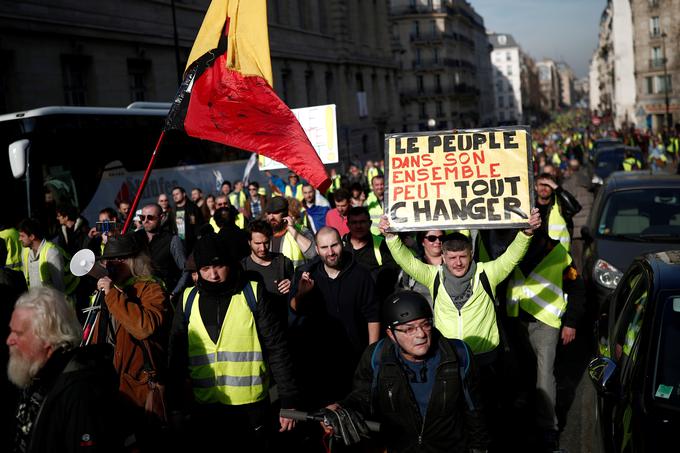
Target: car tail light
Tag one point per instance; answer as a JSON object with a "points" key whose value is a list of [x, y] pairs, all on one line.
{"points": [[606, 275]]}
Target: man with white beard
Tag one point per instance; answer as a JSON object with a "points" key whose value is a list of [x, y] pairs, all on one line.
{"points": [[68, 392]]}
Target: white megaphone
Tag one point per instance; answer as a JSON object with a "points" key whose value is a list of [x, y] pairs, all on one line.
{"points": [[85, 263]]}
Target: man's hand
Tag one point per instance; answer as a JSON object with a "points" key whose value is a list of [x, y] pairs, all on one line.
{"points": [[306, 284], [548, 182], [93, 233], [283, 286], [568, 335], [384, 225], [534, 222], [105, 283], [287, 424], [290, 223]]}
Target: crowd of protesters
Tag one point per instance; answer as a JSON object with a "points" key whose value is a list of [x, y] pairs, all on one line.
{"points": [[219, 310]]}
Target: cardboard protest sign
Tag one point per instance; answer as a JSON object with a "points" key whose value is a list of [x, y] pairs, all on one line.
{"points": [[477, 178]]}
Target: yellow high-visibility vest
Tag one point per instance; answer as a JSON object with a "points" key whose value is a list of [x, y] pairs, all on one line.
{"points": [[540, 293], [11, 238], [298, 192], [231, 371], [70, 280], [557, 227]]}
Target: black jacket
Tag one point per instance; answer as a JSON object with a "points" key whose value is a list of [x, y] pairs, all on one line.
{"points": [[79, 392], [271, 333], [449, 424]]}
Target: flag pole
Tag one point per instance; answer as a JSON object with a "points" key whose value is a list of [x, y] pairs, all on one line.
{"points": [[142, 185]]}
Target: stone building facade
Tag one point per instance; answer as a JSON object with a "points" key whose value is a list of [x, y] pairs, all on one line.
{"points": [[656, 41], [442, 50], [549, 83], [112, 53]]}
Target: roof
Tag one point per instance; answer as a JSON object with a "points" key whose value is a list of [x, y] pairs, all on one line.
{"points": [[622, 180], [153, 109], [502, 40]]}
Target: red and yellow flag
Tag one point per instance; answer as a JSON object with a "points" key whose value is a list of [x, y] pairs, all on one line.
{"points": [[227, 94]]}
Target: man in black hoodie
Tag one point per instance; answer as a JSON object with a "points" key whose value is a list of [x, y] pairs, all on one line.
{"points": [[225, 338], [337, 316]]}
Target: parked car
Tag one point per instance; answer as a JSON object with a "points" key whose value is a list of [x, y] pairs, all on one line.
{"points": [[609, 159], [633, 213], [601, 143], [637, 377]]}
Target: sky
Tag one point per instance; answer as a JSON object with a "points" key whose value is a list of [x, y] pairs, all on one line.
{"points": [[563, 30]]}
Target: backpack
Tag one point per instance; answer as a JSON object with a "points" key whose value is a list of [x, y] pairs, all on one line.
{"points": [[462, 353], [247, 289]]}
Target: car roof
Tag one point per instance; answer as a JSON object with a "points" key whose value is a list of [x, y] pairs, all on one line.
{"points": [[622, 180], [666, 265]]}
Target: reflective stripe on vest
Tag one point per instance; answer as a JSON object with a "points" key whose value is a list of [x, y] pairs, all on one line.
{"points": [[291, 250], [540, 294], [233, 371], [557, 227], [298, 192], [377, 240], [11, 238], [70, 281]]}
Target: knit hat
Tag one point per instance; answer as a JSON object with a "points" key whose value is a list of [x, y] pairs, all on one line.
{"points": [[211, 251]]}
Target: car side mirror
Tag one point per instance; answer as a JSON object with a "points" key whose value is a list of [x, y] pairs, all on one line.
{"points": [[601, 370], [585, 233]]}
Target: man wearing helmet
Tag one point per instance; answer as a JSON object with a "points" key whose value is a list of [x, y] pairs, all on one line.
{"points": [[420, 386]]}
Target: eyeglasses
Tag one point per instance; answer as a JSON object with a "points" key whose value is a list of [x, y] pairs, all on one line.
{"points": [[410, 331], [149, 217], [433, 238]]}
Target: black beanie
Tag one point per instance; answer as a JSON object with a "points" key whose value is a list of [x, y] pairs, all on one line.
{"points": [[211, 251]]}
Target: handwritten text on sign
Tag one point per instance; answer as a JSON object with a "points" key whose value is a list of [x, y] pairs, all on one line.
{"points": [[468, 179]]}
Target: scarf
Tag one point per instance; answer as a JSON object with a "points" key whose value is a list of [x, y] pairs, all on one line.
{"points": [[459, 289]]}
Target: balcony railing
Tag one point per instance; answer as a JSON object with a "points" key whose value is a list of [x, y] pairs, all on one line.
{"points": [[656, 63]]}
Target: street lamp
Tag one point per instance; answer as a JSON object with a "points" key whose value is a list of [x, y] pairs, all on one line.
{"points": [[669, 122]]}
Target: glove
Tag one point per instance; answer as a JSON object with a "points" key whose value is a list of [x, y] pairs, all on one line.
{"points": [[347, 424]]}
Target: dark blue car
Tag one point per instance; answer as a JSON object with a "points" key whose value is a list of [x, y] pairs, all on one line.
{"points": [[637, 375]]}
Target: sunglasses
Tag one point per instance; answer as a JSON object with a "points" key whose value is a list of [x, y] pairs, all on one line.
{"points": [[149, 217], [433, 238]]}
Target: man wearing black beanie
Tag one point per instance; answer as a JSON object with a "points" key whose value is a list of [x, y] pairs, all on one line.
{"points": [[224, 341]]}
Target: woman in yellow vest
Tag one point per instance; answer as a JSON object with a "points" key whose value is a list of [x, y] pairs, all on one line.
{"points": [[224, 342]]}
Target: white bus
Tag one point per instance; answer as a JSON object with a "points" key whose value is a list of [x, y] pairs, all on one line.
{"points": [[91, 157]]}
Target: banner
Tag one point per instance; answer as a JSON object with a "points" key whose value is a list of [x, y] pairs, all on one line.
{"points": [[320, 125], [463, 179]]}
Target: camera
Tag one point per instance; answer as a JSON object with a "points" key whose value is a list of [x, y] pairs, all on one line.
{"points": [[109, 227]]}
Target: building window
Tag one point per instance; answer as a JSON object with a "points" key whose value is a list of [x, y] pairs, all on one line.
{"points": [[435, 54], [330, 89], [649, 84], [75, 70], [420, 84], [509, 70], [418, 56], [502, 40], [416, 29], [501, 102], [310, 88], [285, 86], [501, 115], [663, 83], [511, 101], [656, 57], [422, 111], [438, 83], [138, 75], [508, 56], [440, 108], [499, 86], [654, 27]]}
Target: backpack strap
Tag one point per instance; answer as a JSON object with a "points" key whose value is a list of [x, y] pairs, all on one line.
{"points": [[435, 288], [463, 355], [484, 280], [250, 296], [189, 303]]}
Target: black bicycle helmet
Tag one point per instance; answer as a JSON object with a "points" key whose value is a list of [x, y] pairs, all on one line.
{"points": [[405, 306]]}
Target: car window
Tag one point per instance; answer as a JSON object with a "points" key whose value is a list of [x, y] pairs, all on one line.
{"points": [[649, 214], [667, 378], [630, 310]]}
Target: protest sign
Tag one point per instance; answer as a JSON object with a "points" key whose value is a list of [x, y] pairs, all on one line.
{"points": [[319, 123], [478, 178]]}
